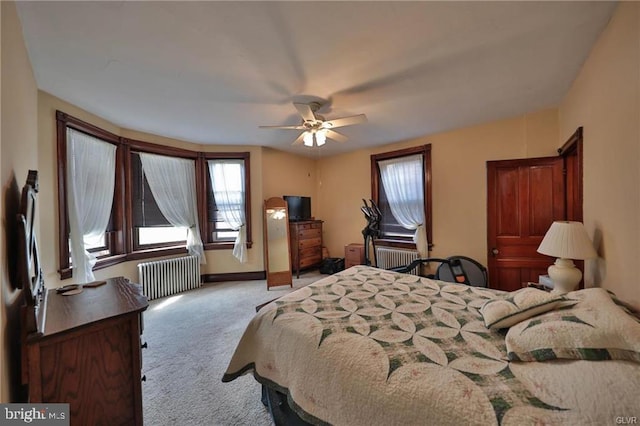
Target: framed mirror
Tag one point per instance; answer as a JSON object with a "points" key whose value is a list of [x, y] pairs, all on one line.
{"points": [[277, 253]]}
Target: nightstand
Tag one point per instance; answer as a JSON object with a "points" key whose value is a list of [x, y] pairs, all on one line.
{"points": [[353, 255]]}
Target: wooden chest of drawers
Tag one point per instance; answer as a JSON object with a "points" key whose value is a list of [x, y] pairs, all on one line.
{"points": [[306, 244], [353, 255], [88, 354]]}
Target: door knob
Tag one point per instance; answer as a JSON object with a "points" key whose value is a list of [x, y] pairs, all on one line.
{"points": [[495, 251]]}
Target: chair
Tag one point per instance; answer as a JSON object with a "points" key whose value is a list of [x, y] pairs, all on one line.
{"points": [[462, 270], [455, 269]]}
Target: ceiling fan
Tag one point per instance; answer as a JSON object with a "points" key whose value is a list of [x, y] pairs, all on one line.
{"points": [[316, 127]]}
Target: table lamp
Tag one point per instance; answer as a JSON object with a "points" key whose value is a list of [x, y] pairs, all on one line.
{"points": [[566, 240]]}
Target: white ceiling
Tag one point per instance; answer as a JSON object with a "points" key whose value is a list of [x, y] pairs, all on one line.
{"points": [[212, 72]]}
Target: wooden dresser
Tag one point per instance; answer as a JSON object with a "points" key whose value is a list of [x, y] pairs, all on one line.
{"points": [[87, 353], [306, 244], [353, 255]]}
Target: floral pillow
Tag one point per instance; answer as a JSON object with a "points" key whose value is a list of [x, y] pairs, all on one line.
{"points": [[593, 328], [517, 306]]}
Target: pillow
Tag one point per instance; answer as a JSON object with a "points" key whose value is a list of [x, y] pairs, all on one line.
{"points": [[517, 306], [593, 328]]}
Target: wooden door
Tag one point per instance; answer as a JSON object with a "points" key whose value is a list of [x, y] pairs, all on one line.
{"points": [[523, 198]]}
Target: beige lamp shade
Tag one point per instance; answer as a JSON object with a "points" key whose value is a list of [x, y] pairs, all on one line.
{"points": [[567, 240]]}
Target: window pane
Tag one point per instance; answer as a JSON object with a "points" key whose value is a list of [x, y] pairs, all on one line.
{"points": [[146, 212], [161, 234], [93, 243], [225, 235], [97, 246], [412, 180], [389, 226], [229, 179]]}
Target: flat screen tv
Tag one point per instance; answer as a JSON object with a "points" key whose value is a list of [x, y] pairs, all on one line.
{"points": [[299, 207]]}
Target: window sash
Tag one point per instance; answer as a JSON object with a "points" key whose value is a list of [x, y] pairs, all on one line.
{"points": [[146, 240], [219, 229], [389, 226], [391, 230], [113, 246], [145, 210]]}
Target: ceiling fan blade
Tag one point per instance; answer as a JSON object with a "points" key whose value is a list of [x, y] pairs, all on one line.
{"points": [[305, 111], [299, 139], [339, 137], [284, 127], [346, 121]]}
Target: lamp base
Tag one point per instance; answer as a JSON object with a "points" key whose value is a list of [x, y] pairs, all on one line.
{"points": [[565, 276]]}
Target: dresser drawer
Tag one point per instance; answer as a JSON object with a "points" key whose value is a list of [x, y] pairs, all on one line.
{"points": [[353, 251], [310, 261], [311, 252], [309, 233], [310, 242], [306, 244], [314, 225]]}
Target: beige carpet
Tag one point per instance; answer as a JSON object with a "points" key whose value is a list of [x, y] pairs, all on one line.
{"points": [[191, 341]]}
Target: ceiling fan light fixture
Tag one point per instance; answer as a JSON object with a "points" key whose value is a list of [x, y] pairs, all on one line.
{"points": [[308, 138], [321, 137], [315, 128]]}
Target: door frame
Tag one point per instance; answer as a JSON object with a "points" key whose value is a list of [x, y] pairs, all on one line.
{"points": [[518, 255], [572, 153]]}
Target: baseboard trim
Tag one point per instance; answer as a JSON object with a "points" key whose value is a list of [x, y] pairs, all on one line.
{"points": [[233, 276]]}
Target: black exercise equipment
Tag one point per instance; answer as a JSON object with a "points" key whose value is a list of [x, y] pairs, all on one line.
{"points": [[372, 231], [455, 269]]}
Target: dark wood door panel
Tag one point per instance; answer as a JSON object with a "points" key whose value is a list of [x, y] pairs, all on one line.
{"points": [[509, 278], [523, 198], [508, 192], [546, 197]]}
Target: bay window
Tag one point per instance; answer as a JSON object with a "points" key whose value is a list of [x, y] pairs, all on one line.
{"points": [[136, 227]]}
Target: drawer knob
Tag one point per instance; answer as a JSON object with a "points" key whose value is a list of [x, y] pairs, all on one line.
{"points": [[145, 345], [143, 378]]}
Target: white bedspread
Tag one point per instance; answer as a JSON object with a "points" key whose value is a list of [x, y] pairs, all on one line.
{"points": [[371, 347]]}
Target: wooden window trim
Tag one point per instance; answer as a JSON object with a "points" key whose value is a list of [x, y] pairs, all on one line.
{"points": [[115, 240], [203, 213], [121, 240], [425, 150]]}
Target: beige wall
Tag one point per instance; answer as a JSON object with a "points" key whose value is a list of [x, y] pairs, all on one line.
{"points": [[19, 153], [604, 99], [458, 181], [343, 181], [289, 174]]}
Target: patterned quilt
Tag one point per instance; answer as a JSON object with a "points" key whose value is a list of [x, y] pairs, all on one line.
{"points": [[367, 346]]}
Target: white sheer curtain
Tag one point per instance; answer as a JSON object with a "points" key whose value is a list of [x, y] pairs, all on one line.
{"points": [[227, 181], [91, 171], [173, 185], [403, 182]]}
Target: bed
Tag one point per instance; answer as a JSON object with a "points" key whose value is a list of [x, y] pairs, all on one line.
{"points": [[367, 346]]}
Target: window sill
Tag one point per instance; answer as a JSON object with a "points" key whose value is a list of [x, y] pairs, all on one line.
{"points": [[223, 245], [398, 243], [155, 252], [105, 262]]}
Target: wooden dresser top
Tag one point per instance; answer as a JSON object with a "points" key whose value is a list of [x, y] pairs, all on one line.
{"points": [[115, 298]]}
